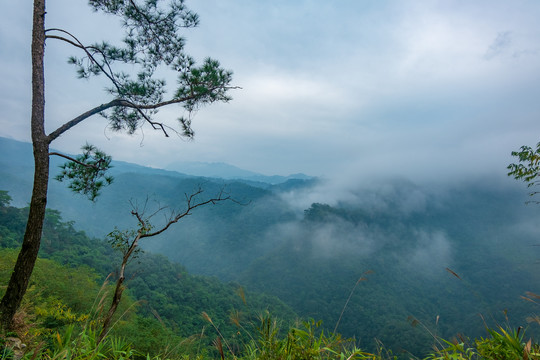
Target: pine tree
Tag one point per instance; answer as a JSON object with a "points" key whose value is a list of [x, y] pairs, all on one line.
{"points": [[152, 40]]}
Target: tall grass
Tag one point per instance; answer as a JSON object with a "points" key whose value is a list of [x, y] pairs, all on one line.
{"points": [[261, 338]]}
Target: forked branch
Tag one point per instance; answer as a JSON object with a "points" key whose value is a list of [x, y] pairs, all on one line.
{"points": [[191, 205], [78, 44], [128, 241]]}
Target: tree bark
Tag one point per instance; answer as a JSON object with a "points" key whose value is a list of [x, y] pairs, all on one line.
{"points": [[22, 271], [114, 305], [118, 290]]}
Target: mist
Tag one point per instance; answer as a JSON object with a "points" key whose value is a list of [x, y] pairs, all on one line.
{"points": [[309, 241]]}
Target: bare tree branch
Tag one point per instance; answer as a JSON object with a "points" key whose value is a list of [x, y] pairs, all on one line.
{"points": [[190, 207], [80, 45], [143, 232], [77, 45], [155, 124], [65, 127]]}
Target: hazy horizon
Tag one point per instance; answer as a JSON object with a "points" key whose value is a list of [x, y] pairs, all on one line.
{"points": [[416, 89]]}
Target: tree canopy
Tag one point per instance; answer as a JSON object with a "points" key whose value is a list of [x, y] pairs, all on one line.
{"points": [[152, 40]]}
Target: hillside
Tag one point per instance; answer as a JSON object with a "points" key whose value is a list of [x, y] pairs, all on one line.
{"points": [[454, 266], [448, 255], [164, 291], [205, 243]]}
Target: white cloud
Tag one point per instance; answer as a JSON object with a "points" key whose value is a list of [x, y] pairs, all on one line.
{"points": [[433, 252], [410, 88]]}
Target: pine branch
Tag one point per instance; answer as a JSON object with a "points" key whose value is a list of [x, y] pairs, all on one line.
{"points": [[93, 166]]}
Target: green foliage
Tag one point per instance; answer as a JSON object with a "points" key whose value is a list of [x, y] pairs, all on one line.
{"points": [[5, 199], [85, 174], [149, 336], [314, 270], [454, 351], [200, 86], [483, 226], [152, 39], [12, 223], [64, 299], [477, 222], [306, 342], [121, 240], [501, 344], [528, 168], [51, 282], [61, 295], [59, 307], [83, 345], [66, 295]]}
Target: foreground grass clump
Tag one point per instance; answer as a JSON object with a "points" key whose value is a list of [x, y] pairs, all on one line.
{"points": [[306, 342], [268, 339], [83, 346], [500, 344], [62, 311]]}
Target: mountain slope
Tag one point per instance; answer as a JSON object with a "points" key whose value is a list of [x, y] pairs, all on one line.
{"points": [[229, 172], [404, 260], [161, 287], [413, 238]]}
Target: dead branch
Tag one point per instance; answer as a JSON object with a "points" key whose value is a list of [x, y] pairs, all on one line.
{"points": [[190, 207], [144, 232]]}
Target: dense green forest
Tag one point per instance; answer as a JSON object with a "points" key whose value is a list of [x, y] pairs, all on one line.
{"points": [[411, 263], [163, 297]]}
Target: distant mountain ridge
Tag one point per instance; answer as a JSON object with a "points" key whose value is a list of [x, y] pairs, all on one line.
{"points": [[219, 170], [229, 172]]}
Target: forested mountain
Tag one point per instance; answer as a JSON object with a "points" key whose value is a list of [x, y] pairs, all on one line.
{"points": [[217, 240], [437, 260], [230, 172], [451, 263], [165, 292]]}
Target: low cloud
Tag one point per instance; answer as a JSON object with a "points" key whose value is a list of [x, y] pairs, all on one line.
{"points": [[432, 252], [331, 239]]}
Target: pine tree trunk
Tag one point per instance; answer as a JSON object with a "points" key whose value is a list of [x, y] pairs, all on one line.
{"points": [[20, 276]]}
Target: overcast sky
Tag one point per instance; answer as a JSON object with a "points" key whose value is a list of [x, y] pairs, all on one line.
{"points": [[420, 89]]}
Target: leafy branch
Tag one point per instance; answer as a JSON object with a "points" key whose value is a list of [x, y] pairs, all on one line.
{"points": [[151, 39], [86, 173], [528, 168]]}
